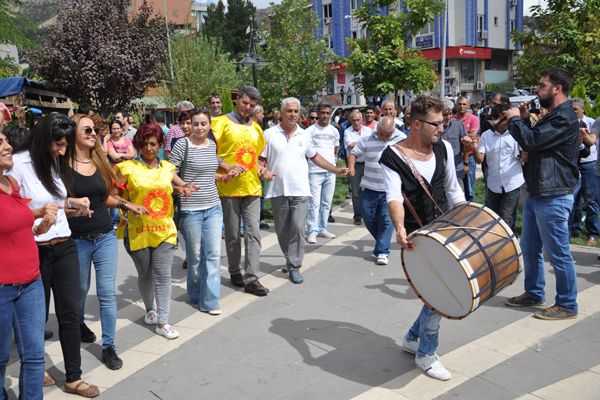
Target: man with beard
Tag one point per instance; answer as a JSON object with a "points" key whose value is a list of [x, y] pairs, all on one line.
{"points": [[551, 174]]}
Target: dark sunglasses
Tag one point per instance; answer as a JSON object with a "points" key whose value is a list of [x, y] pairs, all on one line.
{"points": [[313, 117], [88, 130]]}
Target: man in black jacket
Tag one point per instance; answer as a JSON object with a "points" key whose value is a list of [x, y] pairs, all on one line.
{"points": [[551, 174]]}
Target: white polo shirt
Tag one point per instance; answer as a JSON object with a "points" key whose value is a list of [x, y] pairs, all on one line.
{"points": [[502, 156], [287, 159], [31, 187], [324, 140], [351, 136]]}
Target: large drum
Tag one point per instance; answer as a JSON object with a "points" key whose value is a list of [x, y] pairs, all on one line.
{"points": [[462, 259]]}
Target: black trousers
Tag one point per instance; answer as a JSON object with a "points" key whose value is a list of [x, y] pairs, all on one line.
{"points": [[59, 265]]}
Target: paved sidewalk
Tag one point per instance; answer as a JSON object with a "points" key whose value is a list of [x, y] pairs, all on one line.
{"points": [[338, 336]]}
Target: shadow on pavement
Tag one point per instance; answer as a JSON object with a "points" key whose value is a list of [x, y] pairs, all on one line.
{"points": [[347, 350]]}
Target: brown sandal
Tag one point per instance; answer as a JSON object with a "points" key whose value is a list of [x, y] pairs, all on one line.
{"points": [[88, 392], [48, 380]]}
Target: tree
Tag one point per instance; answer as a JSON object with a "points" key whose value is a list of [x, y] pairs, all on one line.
{"points": [[15, 29], [200, 68], [566, 35], [297, 63], [230, 28], [382, 62], [96, 54]]}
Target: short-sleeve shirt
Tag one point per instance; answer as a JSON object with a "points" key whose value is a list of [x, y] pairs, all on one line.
{"points": [[454, 134], [470, 121], [150, 187], [351, 136], [324, 140], [370, 147], [502, 156], [239, 143], [287, 158], [122, 148]]}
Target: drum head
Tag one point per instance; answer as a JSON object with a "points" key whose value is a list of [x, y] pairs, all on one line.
{"points": [[438, 277]]}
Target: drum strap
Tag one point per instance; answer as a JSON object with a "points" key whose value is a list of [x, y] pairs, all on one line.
{"points": [[420, 179]]}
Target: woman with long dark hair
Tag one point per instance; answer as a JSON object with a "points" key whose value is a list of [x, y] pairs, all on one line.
{"points": [[38, 173]]}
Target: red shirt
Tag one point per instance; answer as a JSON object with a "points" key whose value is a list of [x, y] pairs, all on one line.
{"points": [[470, 121], [371, 124], [19, 262]]}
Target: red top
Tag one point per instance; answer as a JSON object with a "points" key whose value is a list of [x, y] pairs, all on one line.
{"points": [[19, 262]]}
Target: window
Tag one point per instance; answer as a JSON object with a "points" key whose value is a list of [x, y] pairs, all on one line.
{"points": [[428, 28], [356, 4], [512, 25], [327, 10], [354, 37], [467, 71], [480, 23], [495, 21], [329, 41]]}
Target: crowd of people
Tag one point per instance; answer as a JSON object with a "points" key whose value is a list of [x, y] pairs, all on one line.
{"points": [[73, 186]]}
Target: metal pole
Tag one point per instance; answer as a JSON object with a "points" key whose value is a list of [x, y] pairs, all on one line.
{"points": [[444, 32], [169, 43], [254, 75]]}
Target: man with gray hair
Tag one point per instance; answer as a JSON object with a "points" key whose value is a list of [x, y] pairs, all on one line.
{"points": [[285, 159], [585, 190], [373, 204], [352, 135], [456, 134], [240, 141], [176, 132], [215, 105]]}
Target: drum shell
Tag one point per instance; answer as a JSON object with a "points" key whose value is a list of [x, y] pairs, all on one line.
{"points": [[484, 249]]}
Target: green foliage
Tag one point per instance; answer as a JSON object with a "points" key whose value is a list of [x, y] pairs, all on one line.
{"points": [[297, 63], [200, 68], [567, 35], [226, 101], [8, 68], [382, 62], [230, 27], [15, 28]]}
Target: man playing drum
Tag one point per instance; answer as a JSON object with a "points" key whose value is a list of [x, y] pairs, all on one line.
{"points": [[431, 158]]}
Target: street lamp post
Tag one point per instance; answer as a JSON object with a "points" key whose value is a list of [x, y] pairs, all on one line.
{"points": [[252, 59]]}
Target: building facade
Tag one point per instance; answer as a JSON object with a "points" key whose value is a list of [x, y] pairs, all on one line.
{"points": [[479, 53]]}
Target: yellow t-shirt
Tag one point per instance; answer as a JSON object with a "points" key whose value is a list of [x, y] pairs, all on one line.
{"points": [[150, 187], [239, 144]]}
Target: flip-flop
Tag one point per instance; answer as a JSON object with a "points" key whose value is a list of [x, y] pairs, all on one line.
{"points": [[48, 380]]}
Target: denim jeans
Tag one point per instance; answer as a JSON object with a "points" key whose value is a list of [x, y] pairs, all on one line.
{"points": [[586, 189], [201, 230], [103, 253], [426, 328], [22, 310], [545, 226], [469, 180], [322, 186], [374, 210]]}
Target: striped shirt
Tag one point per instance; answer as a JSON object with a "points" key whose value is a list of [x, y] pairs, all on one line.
{"points": [[371, 148], [202, 163]]}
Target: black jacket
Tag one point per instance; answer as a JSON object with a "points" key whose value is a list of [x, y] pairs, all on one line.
{"points": [[553, 149]]}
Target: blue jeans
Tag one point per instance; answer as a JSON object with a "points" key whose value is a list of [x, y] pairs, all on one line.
{"points": [[202, 234], [322, 186], [545, 226], [586, 189], [22, 309], [426, 328], [469, 180], [103, 253], [374, 211]]}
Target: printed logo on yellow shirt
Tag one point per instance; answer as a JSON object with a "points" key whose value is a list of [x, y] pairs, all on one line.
{"points": [[246, 157], [157, 203]]}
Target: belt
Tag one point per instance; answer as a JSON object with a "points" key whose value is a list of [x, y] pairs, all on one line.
{"points": [[88, 236], [53, 242], [19, 284]]}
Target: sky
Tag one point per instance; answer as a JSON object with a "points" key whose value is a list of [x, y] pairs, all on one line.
{"points": [[265, 3]]}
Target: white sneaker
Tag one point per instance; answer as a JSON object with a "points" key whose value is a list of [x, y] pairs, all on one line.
{"points": [[433, 367], [167, 331], [410, 346], [327, 235], [312, 238], [382, 259], [151, 318], [211, 312]]}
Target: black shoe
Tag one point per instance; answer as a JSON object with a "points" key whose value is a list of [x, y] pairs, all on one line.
{"points": [[524, 300], [256, 288], [48, 334], [264, 225], [331, 219], [184, 265], [111, 359], [237, 280], [87, 336]]}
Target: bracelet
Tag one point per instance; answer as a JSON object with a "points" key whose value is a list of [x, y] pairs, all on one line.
{"points": [[122, 205], [466, 164]]}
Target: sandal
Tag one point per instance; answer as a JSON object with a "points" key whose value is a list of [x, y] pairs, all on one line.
{"points": [[48, 380], [88, 392]]}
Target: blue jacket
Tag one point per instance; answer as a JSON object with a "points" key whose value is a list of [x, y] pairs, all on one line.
{"points": [[553, 147]]}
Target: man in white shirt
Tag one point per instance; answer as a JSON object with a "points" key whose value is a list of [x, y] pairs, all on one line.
{"points": [[505, 172], [585, 191], [351, 137], [432, 157], [285, 156], [324, 138]]}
